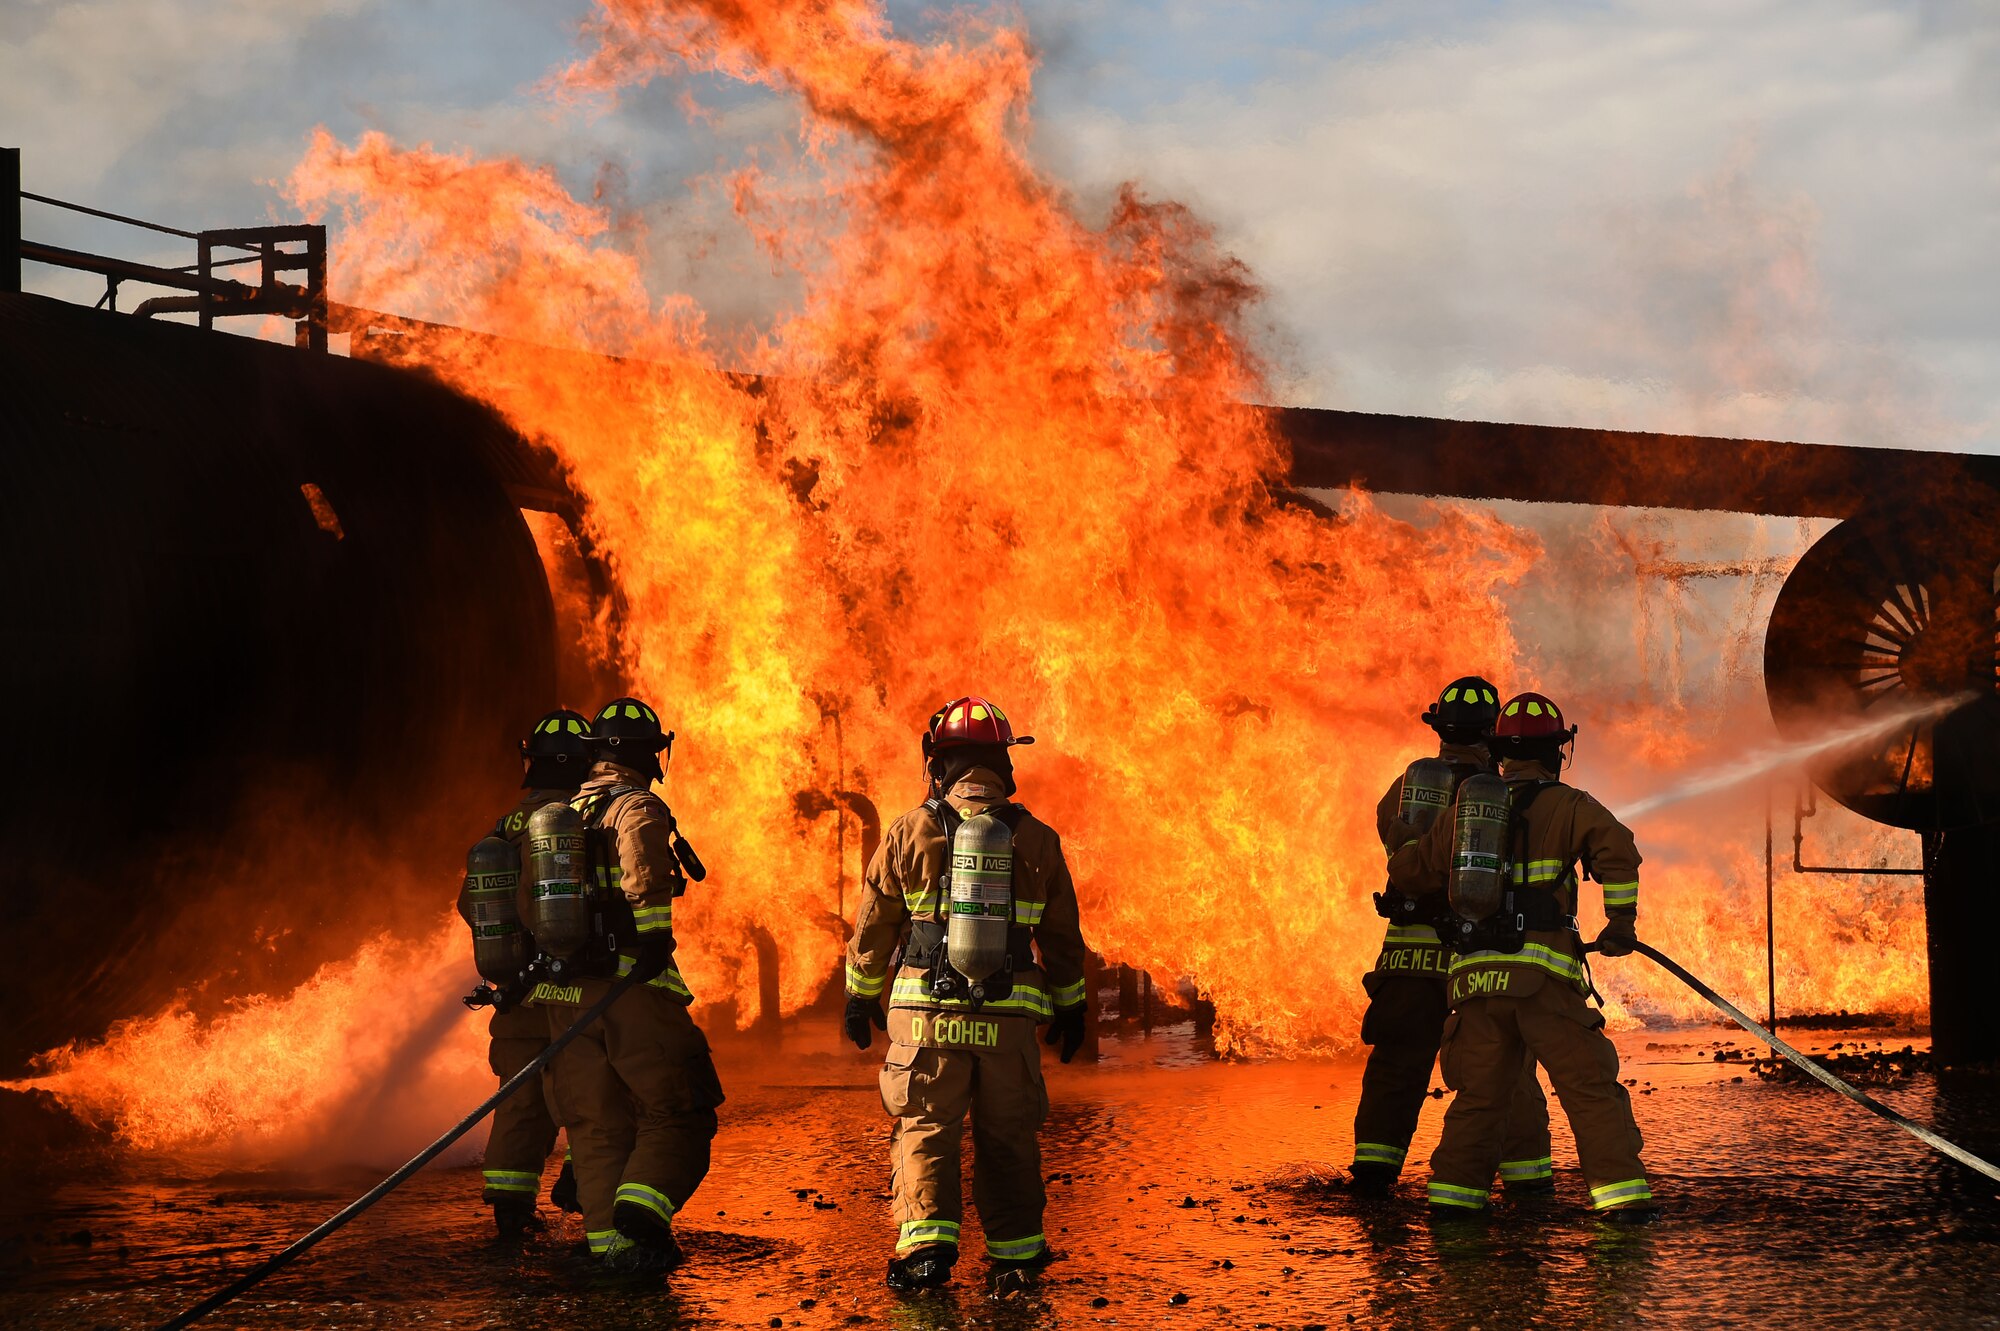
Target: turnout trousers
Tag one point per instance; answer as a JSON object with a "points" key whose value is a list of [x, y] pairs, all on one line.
{"points": [[993, 1071], [1484, 1042], [636, 1091], [1405, 1025], [523, 1132]]}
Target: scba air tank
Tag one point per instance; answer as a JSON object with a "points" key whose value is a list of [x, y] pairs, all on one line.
{"points": [[558, 906], [1480, 820], [1427, 784], [492, 876], [982, 898]]}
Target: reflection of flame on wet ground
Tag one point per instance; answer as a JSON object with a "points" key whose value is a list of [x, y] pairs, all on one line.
{"points": [[1779, 1199]]}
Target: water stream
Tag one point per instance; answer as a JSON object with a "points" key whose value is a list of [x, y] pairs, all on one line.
{"points": [[1762, 762]]}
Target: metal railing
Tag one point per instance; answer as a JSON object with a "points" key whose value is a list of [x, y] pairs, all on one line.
{"points": [[279, 252]]}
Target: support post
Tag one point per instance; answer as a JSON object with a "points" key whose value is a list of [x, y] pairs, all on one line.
{"points": [[1770, 923], [10, 219], [1093, 976]]}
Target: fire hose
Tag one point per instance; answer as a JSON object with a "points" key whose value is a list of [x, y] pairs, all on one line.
{"points": [[272, 1264], [1815, 1071]]}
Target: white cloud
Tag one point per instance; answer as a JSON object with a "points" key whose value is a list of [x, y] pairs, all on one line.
{"points": [[1767, 217], [1760, 216]]}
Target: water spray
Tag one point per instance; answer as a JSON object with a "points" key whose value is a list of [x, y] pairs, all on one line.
{"points": [[1762, 762], [299, 1247], [1814, 1070]]}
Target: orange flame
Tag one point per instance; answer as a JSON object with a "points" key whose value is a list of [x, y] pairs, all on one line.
{"points": [[359, 1043], [998, 449]]}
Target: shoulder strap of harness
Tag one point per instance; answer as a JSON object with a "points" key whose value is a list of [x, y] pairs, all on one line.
{"points": [[593, 804], [1540, 903], [947, 817], [1524, 797]]}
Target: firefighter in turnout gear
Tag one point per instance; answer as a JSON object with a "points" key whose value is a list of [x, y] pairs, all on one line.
{"points": [[1508, 860], [553, 761], [993, 949], [636, 1090], [1407, 1003]]}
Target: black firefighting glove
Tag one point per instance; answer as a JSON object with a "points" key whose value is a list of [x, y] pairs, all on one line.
{"points": [[653, 955], [1067, 1026], [1620, 936], [860, 1015]]}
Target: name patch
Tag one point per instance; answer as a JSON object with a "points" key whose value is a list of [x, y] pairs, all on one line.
{"points": [[964, 1032], [1424, 960], [1473, 984]]}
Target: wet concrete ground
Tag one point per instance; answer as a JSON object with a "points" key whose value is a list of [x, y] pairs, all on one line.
{"points": [[1183, 1193]]}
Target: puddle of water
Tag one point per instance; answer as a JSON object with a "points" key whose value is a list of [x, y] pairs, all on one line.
{"points": [[1172, 1175]]}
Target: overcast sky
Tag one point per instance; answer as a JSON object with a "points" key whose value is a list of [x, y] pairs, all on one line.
{"points": [[1777, 218]]}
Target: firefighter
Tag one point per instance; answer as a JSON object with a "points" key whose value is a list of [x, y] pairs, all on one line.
{"points": [[636, 1090], [1518, 980], [1407, 1005], [553, 759], [964, 1039]]}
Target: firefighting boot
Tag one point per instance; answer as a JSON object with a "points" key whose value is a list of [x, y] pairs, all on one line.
{"points": [[1630, 1215], [562, 1193], [651, 1256], [1017, 1275], [1371, 1178], [514, 1216], [927, 1267], [650, 1242]]}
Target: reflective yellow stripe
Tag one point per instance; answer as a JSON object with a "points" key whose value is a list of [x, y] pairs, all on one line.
{"points": [[1069, 995], [1621, 894], [652, 916], [864, 986], [1606, 1195], [1380, 1153], [1517, 1170], [1541, 871], [921, 903], [1450, 1194], [512, 1180], [1016, 1250], [651, 1198], [910, 991], [1029, 912], [1410, 933], [915, 1232], [1534, 954], [606, 1240]]}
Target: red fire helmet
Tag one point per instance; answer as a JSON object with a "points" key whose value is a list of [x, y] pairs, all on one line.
{"points": [[971, 720], [1531, 716]]}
